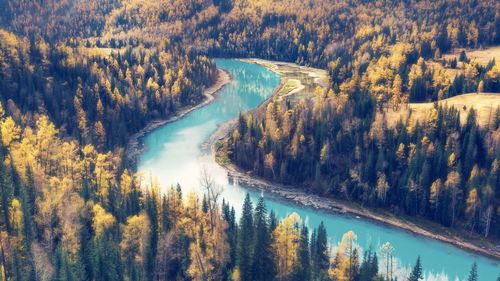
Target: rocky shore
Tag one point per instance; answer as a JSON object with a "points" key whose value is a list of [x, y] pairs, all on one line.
{"points": [[340, 207]]}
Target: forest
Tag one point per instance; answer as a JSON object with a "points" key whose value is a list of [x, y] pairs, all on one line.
{"points": [[339, 144], [78, 78]]}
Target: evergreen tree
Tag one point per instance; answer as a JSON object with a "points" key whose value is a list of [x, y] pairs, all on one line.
{"points": [[166, 222], [151, 250], [245, 240], [87, 249], [273, 221], [473, 273], [106, 262], [6, 194], [319, 250], [262, 262], [232, 231], [416, 273], [18, 272], [302, 269], [369, 266]]}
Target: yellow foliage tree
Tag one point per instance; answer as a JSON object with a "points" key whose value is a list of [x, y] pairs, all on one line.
{"points": [[285, 245], [16, 216], [346, 263], [135, 238], [10, 131], [102, 220], [209, 249]]}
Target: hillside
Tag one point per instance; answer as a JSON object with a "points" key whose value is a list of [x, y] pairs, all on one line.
{"points": [[78, 78], [486, 105]]}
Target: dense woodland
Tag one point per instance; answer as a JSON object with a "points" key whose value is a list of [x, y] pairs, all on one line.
{"points": [[77, 78], [68, 215], [96, 97], [339, 143]]}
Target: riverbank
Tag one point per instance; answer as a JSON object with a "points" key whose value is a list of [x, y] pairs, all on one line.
{"points": [[136, 148], [296, 81], [474, 243], [422, 227]]}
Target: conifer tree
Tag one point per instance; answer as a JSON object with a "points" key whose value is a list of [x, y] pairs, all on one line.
{"points": [[369, 266], [262, 260], [151, 250], [319, 250], [6, 193], [245, 240], [232, 230], [473, 276], [302, 269], [416, 273], [166, 222]]}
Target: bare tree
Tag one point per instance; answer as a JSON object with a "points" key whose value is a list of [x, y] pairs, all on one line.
{"points": [[387, 253], [213, 192], [487, 219]]}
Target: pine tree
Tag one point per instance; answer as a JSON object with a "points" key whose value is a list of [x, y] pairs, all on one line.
{"points": [[273, 221], [302, 269], [319, 250], [245, 241], [473, 273], [416, 273], [166, 222], [27, 217], [369, 266], [106, 262], [230, 217], [17, 272], [152, 248], [262, 261]]}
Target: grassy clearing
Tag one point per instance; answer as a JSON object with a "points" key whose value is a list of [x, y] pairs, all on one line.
{"points": [[477, 56], [450, 73], [100, 52], [485, 105], [481, 56]]}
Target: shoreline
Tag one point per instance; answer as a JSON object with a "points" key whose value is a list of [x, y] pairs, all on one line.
{"points": [[335, 206], [332, 205], [135, 147]]}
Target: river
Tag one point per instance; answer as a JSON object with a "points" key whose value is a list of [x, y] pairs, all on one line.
{"points": [[174, 155]]}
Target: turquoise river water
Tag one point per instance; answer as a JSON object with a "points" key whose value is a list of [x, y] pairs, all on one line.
{"points": [[174, 155]]}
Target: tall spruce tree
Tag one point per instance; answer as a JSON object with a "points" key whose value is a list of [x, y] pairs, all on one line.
{"points": [[302, 269], [369, 266], [263, 267], [166, 221], [319, 251], [152, 248], [473, 276], [416, 273], [245, 241], [229, 216]]}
